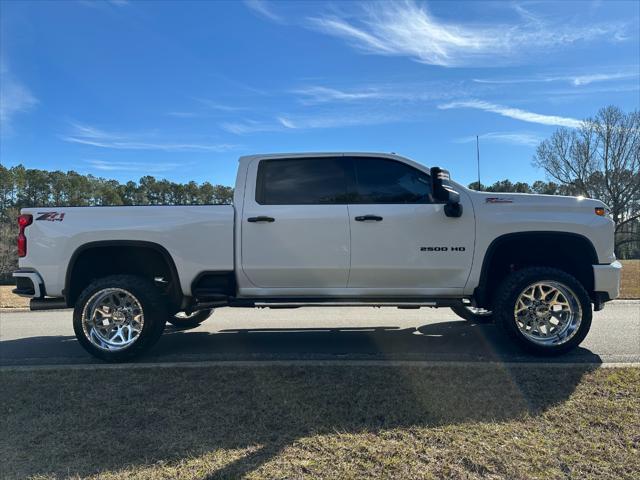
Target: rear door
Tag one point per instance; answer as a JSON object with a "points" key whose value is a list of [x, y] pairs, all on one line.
{"points": [[295, 224], [400, 238]]}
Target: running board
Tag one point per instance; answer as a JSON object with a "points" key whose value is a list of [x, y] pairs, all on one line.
{"points": [[346, 302], [48, 304]]}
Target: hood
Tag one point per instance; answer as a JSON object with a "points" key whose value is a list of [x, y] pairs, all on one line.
{"points": [[528, 200]]}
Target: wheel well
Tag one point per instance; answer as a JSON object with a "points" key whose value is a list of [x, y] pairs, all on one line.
{"points": [[568, 252], [148, 260]]}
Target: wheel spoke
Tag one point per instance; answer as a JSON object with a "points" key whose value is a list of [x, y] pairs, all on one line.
{"points": [[529, 295]]}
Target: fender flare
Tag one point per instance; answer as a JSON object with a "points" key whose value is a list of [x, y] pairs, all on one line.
{"points": [[481, 291], [173, 271]]}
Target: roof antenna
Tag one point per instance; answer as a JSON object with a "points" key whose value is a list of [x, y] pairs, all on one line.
{"points": [[478, 159]]}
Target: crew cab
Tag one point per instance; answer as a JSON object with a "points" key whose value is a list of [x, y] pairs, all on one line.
{"points": [[324, 229]]}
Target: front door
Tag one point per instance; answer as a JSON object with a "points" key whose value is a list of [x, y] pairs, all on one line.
{"points": [[295, 224], [400, 239]]}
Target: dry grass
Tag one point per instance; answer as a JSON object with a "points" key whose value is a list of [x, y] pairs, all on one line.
{"points": [[630, 282], [322, 422], [9, 300]]}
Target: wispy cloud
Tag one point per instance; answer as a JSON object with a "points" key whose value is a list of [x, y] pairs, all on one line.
{"points": [[515, 113], [576, 80], [409, 29], [184, 114], [220, 107], [411, 92], [287, 122], [319, 94], [262, 7], [103, 3], [206, 108], [155, 167], [340, 120], [600, 77], [15, 98], [513, 138], [242, 127], [87, 135]]}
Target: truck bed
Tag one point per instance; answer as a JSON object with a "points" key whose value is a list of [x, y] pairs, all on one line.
{"points": [[198, 238]]}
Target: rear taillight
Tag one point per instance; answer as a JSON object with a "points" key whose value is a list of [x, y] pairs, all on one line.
{"points": [[23, 222]]}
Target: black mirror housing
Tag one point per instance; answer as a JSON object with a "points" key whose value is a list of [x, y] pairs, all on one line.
{"points": [[443, 192], [441, 186]]}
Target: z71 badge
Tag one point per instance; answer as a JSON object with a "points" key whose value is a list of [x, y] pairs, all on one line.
{"points": [[50, 216]]}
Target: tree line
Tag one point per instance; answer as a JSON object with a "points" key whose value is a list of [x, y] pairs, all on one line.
{"points": [[26, 187]]}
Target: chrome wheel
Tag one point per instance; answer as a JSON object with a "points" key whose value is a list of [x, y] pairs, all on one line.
{"points": [[548, 313], [112, 319]]}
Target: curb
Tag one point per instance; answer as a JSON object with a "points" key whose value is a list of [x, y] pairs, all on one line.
{"points": [[314, 363]]}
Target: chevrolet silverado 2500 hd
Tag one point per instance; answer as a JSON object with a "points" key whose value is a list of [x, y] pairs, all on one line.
{"points": [[324, 229]]}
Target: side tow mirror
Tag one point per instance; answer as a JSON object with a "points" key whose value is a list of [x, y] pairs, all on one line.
{"points": [[443, 192]]}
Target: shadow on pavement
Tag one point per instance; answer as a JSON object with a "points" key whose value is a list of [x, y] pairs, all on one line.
{"points": [[443, 341], [456, 340]]}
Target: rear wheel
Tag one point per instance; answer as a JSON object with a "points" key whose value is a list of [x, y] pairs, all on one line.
{"points": [[185, 321], [118, 317], [547, 311], [472, 314]]}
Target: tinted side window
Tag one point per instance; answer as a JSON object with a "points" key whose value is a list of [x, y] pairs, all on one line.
{"points": [[304, 181], [380, 180]]}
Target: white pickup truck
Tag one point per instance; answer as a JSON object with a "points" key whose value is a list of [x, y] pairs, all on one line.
{"points": [[324, 229]]}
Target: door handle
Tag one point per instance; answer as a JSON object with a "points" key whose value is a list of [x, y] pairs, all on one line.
{"points": [[365, 218], [261, 219]]}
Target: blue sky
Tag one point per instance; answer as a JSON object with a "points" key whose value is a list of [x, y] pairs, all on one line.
{"points": [[180, 90]]}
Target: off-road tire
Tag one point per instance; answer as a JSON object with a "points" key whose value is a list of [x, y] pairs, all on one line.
{"points": [[154, 309], [515, 283]]}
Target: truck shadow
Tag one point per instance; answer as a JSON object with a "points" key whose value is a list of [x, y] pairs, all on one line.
{"points": [[454, 340], [247, 416]]}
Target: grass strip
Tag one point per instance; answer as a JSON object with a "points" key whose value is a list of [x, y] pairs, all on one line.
{"points": [[322, 422]]}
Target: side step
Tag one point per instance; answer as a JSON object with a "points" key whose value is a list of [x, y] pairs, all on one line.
{"points": [[346, 304], [48, 304], [407, 303], [214, 300], [209, 299]]}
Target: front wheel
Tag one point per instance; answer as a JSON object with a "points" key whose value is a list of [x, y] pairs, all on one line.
{"points": [[119, 316], [547, 311], [185, 321]]}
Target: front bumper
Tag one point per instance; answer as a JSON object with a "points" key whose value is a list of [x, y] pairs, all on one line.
{"points": [[29, 284], [606, 279]]}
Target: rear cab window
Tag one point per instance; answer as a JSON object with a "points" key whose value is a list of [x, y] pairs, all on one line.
{"points": [[302, 181]]}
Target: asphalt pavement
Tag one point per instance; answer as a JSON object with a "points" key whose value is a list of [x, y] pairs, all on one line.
{"points": [[325, 334]]}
